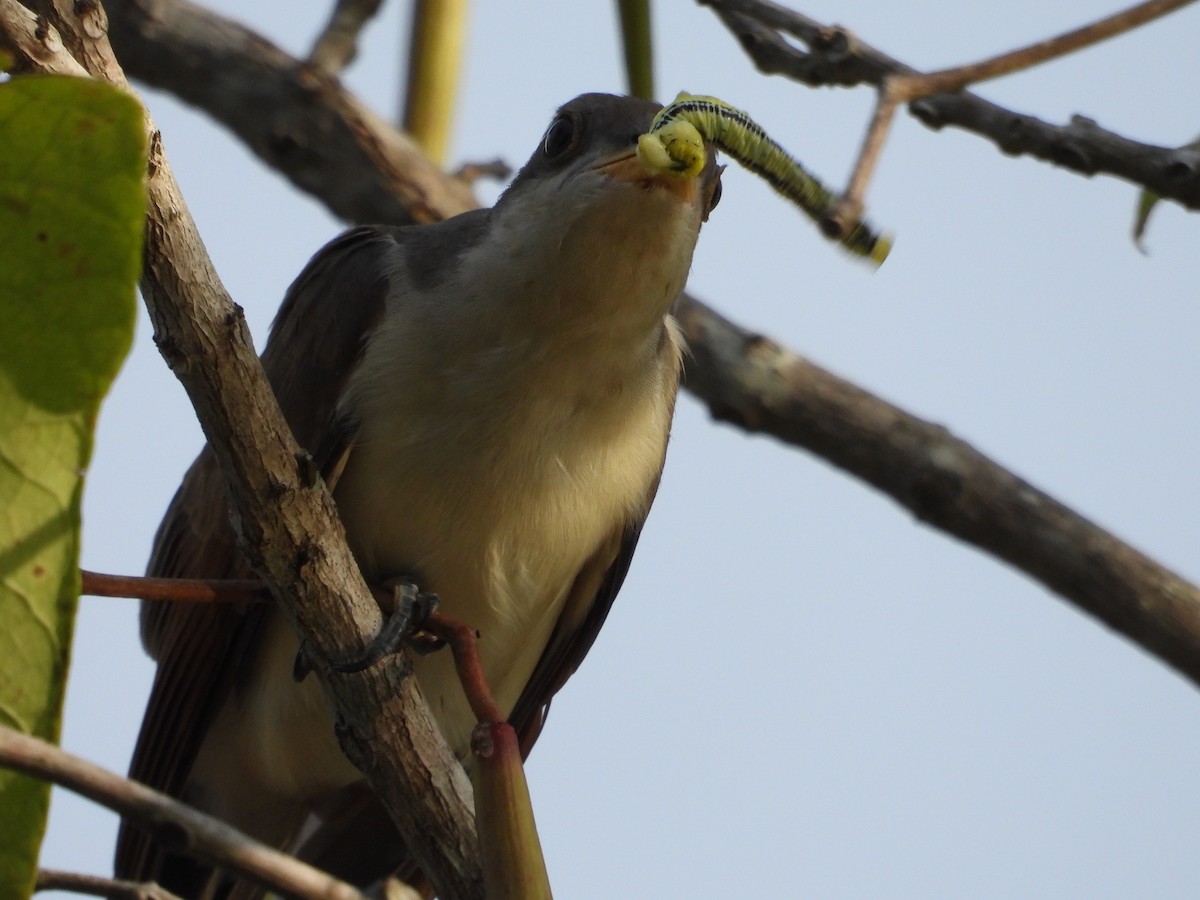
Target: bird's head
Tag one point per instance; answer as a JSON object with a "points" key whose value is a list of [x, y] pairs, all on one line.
{"points": [[586, 204]]}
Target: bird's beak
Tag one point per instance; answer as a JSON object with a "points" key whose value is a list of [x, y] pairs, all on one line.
{"points": [[624, 167]]}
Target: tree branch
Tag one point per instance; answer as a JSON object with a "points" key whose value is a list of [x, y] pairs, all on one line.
{"points": [[170, 820], [337, 44], [293, 115], [96, 886], [911, 85], [905, 87], [741, 379], [188, 590], [287, 526], [836, 57], [751, 381]]}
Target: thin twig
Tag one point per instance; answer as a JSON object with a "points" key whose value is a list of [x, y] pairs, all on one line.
{"points": [[836, 57], [170, 820], [905, 87], [96, 886], [842, 218], [462, 639], [495, 169], [912, 86], [337, 44], [189, 590], [294, 117], [464, 644]]}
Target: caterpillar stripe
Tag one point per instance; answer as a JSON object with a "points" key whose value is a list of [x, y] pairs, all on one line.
{"points": [[675, 144]]}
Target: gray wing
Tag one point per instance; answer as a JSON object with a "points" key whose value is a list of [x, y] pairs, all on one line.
{"points": [[588, 604], [200, 648]]}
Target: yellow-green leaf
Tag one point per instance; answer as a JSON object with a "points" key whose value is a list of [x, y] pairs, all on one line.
{"points": [[72, 207], [1147, 200]]}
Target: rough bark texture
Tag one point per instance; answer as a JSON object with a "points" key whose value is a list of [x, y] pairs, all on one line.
{"points": [[206, 837]]}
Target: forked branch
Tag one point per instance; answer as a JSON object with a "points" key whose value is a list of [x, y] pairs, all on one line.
{"points": [[834, 56], [905, 87]]}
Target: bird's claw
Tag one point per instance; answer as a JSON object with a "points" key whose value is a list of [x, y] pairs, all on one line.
{"points": [[411, 608]]}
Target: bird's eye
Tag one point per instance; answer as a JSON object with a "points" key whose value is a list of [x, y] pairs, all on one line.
{"points": [[714, 196], [560, 137]]}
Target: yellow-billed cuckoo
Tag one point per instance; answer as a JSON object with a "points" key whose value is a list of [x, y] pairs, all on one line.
{"points": [[490, 399]]}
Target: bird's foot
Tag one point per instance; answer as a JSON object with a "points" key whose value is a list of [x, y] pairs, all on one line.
{"points": [[408, 609]]}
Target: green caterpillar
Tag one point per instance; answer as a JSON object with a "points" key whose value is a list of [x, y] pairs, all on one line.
{"points": [[675, 144]]}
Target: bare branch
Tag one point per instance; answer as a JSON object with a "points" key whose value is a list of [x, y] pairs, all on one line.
{"points": [[836, 57], [188, 590], [904, 87], [95, 886], [35, 46], [337, 45], [848, 211], [1081, 145], [287, 527], [461, 638], [910, 86], [753, 382], [294, 116], [463, 641], [170, 820]]}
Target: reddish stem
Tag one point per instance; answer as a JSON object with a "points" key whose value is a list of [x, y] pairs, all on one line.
{"points": [[464, 645], [461, 637], [191, 590]]}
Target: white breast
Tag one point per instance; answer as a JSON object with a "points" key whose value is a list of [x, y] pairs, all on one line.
{"points": [[492, 482]]}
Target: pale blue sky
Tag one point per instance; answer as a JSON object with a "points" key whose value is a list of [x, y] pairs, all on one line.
{"points": [[900, 716]]}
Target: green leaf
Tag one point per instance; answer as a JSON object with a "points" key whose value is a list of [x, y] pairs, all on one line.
{"points": [[1147, 200], [72, 211]]}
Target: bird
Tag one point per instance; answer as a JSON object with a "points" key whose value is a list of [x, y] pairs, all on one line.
{"points": [[489, 399]]}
